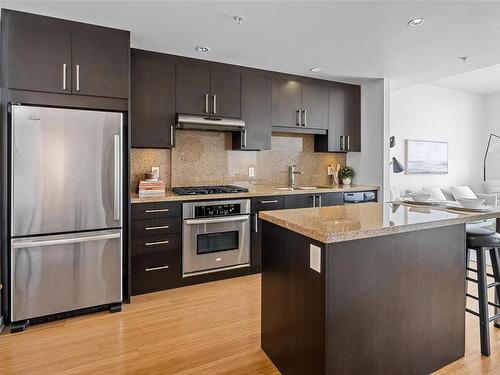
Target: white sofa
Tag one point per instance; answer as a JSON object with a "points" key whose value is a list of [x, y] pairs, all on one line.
{"points": [[490, 199]]}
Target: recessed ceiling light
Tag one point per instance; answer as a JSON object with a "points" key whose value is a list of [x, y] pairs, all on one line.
{"points": [[239, 19], [316, 70], [464, 58], [416, 22], [202, 49]]}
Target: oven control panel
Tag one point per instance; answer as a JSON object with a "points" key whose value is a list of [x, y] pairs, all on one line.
{"points": [[217, 210]]}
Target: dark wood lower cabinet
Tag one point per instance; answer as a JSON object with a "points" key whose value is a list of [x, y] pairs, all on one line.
{"points": [[385, 305], [156, 271]]}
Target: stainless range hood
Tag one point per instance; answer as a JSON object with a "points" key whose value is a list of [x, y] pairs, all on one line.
{"points": [[209, 123]]}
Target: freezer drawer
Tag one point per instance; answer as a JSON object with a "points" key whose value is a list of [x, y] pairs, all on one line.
{"points": [[53, 274], [66, 170]]}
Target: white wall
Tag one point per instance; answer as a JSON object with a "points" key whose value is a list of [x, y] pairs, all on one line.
{"points": [[369, 163], [492, 126], [427, 112]]}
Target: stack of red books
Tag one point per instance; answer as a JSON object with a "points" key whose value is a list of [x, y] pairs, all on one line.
{"points": [[151, 188]]}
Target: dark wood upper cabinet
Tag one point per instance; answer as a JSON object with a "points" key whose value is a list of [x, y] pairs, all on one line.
{"points": [[202, 90], [256, 112], [57, 56], [300, 104], [344, 120], [193, 89], [37, 52], [153, 100], [225, 88], [314, 106], [286, 103], [100, 59]]}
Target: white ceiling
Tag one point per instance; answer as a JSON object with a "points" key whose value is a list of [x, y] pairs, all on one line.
{"points": [[485, 81], [351, 40]]}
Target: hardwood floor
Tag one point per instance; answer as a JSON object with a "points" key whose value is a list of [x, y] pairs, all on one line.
{"points": [[212, 328]]}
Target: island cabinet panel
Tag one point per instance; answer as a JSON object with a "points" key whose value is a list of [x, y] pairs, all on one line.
{"points": [[37, 48], [100, 61], [392, 304], [256, 112], [261, 204], [153, 100]]}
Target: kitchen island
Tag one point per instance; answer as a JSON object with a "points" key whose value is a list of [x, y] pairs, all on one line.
{"points": [[374, 288]]}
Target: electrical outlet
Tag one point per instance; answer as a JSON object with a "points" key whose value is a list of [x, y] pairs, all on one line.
{"points": [[315, 258], [251, 171]]}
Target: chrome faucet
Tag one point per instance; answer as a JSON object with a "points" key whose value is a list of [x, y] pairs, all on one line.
{"points": [[293, 172]]}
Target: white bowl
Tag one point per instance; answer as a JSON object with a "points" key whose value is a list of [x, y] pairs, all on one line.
{"points": [[470, 202], [420, 197]]}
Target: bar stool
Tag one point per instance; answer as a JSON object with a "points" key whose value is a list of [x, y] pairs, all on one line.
{"points": [[482, 241]]}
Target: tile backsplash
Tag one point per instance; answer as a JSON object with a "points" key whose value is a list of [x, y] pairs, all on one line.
{"points": [[204, 157]]}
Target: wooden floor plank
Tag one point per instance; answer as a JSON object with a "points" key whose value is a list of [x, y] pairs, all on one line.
{"points": [[212, 328]]}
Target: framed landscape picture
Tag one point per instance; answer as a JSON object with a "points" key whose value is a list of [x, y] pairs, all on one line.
{"points": [[426, 157]]}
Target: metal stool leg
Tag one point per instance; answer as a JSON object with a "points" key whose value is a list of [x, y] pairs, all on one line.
{"points": [[483, 301], [495, 262]]}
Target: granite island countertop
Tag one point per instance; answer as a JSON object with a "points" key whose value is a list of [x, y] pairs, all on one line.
{"points": [[357, 221], [253, 191]]}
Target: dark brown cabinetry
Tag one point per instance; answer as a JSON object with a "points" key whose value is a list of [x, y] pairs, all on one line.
{"points": [[261, 204], [156, 246], [344, 120], [256, 112], [202, 90], [314, 200], [100, 61], [299, 104], [152, 79], [57, 56]]}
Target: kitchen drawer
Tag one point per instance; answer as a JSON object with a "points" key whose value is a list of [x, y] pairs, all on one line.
{"points": [[156, 271], [157, 243], [156, 210], [267, 203], [141, 228]]}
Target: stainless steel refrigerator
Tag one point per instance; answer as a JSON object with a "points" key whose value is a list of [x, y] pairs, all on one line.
{"points": [[66, 210]]}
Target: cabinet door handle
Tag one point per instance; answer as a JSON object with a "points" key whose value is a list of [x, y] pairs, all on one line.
{"points": [[348, 142], [77, 77], [149, 269], [244, 134], [304, 117], [314, 200], [157, 210], [297, 117], [171, 135], [341, 142], [64, 76], [215, 104], [265, 202], [157, 243], [156, 228], [319, 200], [256, 216], [206, 103]]}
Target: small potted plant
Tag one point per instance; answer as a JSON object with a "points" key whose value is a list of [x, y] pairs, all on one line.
{"points": [[346, 174]]}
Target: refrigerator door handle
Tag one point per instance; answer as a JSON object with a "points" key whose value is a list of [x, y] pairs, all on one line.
{"points": [[116, 195], [22, 244]]}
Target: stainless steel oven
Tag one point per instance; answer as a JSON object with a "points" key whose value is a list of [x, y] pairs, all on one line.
{"points": [[216, 236]]}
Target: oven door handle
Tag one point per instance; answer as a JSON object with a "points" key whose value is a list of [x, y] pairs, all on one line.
{"points": [[217, 220]]}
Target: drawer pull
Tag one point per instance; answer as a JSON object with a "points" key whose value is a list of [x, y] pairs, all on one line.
{"points": [[149, 269], [160, 227], [157, 243], [157, 210], [264, 202]]}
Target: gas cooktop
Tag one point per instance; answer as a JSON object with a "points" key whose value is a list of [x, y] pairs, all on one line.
{"points": [[196, 190]]}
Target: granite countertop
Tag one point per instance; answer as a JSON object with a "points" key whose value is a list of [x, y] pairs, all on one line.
{"points": [[357, 221], [253, 191]]}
